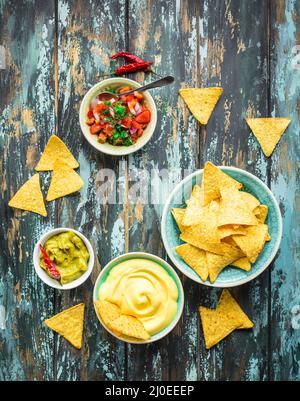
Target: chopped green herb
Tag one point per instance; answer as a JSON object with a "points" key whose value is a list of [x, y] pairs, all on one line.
{"points": [[106, 111], [128, 142], [107, 102]]}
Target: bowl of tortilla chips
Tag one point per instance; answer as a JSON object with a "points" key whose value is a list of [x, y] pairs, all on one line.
{"points": [[221, 226]]}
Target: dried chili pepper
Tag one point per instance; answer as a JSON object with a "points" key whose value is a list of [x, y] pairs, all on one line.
{"points": [[132, 67], [50, 266], [128, 56]]}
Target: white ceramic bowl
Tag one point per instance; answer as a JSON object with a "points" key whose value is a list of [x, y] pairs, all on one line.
{"points": [[106, 147], [44, 276], [141, 255]]}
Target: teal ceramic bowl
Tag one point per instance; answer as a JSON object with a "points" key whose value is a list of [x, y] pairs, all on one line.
{"points": [[230, 276], [141, 255]]}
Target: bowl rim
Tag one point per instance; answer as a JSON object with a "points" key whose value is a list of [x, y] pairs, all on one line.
{"points": [[118, 150], [44, 276], [229, 283], [178, 282]]}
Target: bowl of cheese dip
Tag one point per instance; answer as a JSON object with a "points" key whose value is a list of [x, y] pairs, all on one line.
{"points": [[141, 289]]}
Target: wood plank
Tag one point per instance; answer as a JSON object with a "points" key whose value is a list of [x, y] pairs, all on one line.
{"points": [[166, 32], [27, 118], [88, 32], [285, 184]]}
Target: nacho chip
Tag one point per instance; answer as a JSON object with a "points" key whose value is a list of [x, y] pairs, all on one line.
{"points": [[107, 311], [233, 210], [216, 263], [250, 200], [228, 306], [69, 324], [29, 197], [194, 210], [268, 131], [55, 149], [130, 326], [268, 237], [213, 180], [195, 258], [227, 231], [64, 181], [242, 263], [261, 213], [178, 214], [201, 101], [253, 242]]}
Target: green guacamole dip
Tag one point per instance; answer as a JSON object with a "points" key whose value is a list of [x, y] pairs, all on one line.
{"points": [[69, 253]]}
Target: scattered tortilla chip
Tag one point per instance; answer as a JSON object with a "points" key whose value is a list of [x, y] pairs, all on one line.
{"points": [[261, 213], [201, 101], [250, 200], [55, 149], [233, 210], [228, 306], [253, 242], [195, 258], [216, 263], [29, 197], [194, 210], [130, 326], [268, 131], [107, 311], [69, 324], [178, 214], [227, 231], [64, 181], [213, 180], [242, 263]]}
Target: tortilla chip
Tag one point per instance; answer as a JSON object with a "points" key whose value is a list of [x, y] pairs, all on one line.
{"points": [[216, 263], [233, 210], [261, 213], [213, 180], [195, 258], [250, 200], [178, 214], [130, 326], [253, 242], [268, 237], [69, 324], [201, 101], [64, 181], [268, 131], [242, 263], [194, 210], [55, 149], [228, 306], [227, 231], [107, 311], [29, 197]]}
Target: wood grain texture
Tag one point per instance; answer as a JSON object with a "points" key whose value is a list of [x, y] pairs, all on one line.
{"points": [[61, 50]]}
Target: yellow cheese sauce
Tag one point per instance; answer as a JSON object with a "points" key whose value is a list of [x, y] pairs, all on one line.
{"points": [[142, 288]]}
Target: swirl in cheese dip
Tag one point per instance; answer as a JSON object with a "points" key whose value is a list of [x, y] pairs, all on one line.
{"points": [[142, 288]]}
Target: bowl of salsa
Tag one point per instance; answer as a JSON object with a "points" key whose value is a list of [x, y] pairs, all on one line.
{"points": [[117, 124]]}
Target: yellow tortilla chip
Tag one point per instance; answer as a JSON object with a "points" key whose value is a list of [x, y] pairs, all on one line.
{"points": [[178, 214], [268, 237], [201, 101], [233, 210], [268, 131], [130, 326], [107, 311], [216, 263], [242, 263], [253, 242], [55, 149], [64, 181], [194, 210], [29, 197], [250, 200], [195, 258], [69, 324], [261, 213], [228, 306], [213, 180], [227, 231]]}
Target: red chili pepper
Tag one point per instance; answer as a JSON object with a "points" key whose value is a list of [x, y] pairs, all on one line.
{"points": [[128, 56], [132, 67], [50, 266]]}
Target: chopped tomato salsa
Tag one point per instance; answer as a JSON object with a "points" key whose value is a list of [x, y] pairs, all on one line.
{"points": [[119, 121]]}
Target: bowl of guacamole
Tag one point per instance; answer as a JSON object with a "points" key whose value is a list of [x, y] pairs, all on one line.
{"points": [[69, 253]]}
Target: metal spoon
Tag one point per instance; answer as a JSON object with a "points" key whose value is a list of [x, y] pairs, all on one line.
{"points": [[155, 84]]}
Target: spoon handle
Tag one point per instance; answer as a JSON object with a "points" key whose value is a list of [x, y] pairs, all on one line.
{"points": [[155, 84]]}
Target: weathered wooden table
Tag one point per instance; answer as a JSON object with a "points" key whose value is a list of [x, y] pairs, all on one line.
{"points": [[55, 51]]}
